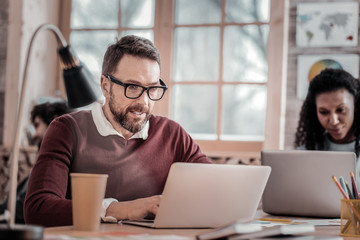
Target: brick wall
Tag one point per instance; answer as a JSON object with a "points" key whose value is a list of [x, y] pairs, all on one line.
{"points": [[27, 159], [2, 106], [4, 6]]}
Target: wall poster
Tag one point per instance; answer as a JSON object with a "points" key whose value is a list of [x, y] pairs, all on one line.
{"points": [[311, 65], [327, 24]]}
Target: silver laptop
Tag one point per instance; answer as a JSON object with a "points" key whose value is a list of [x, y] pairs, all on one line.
{"points": [[200, 195], [300, 183]]}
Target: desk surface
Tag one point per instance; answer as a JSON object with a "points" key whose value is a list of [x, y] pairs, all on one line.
{"points": [[191, 233]]}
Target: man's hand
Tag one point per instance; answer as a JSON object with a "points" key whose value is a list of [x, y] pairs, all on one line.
{"points": [[134, 210]]}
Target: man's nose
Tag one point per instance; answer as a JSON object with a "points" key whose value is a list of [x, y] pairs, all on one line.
{"points": [[144, 98]]}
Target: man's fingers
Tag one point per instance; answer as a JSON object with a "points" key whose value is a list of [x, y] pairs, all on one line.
{"points": [[154, 209]]}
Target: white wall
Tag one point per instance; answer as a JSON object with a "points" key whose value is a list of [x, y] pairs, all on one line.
{"points": [[24, 18]]}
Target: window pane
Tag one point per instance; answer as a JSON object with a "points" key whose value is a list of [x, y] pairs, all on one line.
{"points": [[86, 14], [200, 118], [137, 13], [246, 11], [243, 112], [91, 53], [197, 12], [149, 34], [196, 54], [245, 53]]}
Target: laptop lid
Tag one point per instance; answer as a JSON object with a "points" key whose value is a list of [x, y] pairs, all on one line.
{"points": [[200, 195], [300, 183]]}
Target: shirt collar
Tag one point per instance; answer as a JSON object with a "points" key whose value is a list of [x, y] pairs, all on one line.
{"points": [[105, 128]]}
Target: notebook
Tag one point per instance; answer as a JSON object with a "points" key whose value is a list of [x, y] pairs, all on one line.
{"points": [[200, 195], [300, 183]]}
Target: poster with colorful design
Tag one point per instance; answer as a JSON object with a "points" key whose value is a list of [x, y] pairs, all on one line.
{"points": [[311, 65], [331, 24]]}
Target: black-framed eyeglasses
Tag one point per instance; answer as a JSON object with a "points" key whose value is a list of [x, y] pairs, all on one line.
{"points": [[134, 91]]}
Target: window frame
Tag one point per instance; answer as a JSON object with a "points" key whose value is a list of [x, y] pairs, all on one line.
{"points": [[276, 82]]}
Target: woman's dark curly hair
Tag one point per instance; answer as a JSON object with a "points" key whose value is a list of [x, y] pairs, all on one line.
{"points": [[310, 133]]}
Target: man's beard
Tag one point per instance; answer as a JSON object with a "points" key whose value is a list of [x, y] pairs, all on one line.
{"points": [[132, 126]]}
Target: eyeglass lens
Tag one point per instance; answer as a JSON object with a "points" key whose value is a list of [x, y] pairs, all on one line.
{"points": [[134, 91]]}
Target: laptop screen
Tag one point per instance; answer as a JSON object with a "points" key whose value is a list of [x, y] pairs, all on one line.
{"points": [[300, 183]]}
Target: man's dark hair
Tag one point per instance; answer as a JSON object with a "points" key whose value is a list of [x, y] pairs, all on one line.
{"points": [[48, 111], [310, 133], [131, 45]]}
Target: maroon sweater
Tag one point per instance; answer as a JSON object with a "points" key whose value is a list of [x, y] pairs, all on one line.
{"points": [[137, 168]]}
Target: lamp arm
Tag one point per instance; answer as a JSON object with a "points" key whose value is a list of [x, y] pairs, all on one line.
{"points": [[14, 155]]}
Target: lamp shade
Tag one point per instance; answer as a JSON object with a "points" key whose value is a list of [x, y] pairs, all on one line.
{"points": [[79, 85]]}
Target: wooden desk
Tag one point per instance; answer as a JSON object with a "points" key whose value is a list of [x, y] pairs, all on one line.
{"points": [[123, 228], [191, 233], [319, 230]]}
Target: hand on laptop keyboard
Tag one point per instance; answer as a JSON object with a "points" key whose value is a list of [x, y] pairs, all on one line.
{"points": [[137, 209]]}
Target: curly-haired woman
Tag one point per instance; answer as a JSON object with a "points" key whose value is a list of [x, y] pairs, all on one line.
{"points": [[330, 115]]}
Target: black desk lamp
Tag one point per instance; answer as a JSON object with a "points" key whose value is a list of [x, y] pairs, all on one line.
{"points": [[80, 90]]}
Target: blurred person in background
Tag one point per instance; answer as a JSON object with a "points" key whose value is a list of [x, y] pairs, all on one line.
{"points": [[41, 116]]}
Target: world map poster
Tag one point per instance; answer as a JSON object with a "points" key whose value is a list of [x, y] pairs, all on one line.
{"points": [[327, 24]]}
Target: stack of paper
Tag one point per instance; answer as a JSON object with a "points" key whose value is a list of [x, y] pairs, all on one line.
{"points": [[238, 231]]}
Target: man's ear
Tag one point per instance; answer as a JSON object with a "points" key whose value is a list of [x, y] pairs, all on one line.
{"points": [[105, 86]]}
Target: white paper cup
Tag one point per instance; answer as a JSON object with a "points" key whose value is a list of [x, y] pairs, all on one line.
{"points": [[88, 192]]}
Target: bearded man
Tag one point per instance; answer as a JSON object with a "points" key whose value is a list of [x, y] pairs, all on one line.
{"points": [[119, 137]]}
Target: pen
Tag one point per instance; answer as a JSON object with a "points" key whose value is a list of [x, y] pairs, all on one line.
{"points": [[356, 193], [275, 220], [343, 185], [339, 187], [349, 191]]}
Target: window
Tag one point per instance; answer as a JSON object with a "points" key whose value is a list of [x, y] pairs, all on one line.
{"points": [[96, 24], [220, 63], [214, 60]]}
